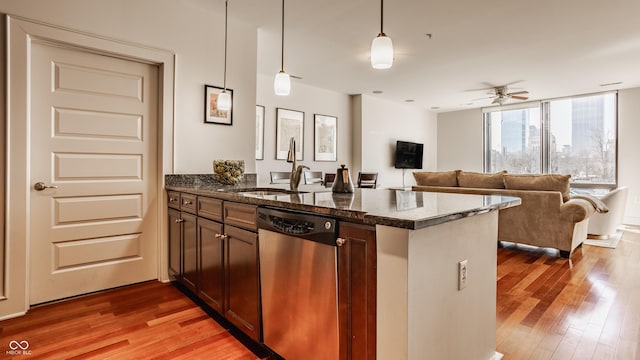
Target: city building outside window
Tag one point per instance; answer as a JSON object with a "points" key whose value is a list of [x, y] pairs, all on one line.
{"points": [[576, 136]]}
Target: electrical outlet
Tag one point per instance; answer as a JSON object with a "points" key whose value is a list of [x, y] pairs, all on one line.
{"points": [[462, 274]]}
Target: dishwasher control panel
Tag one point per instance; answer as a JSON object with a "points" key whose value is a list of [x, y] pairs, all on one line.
{"points": [[305, 225]]}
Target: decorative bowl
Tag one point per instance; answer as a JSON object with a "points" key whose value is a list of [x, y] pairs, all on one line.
{"points": [[228, 172]]}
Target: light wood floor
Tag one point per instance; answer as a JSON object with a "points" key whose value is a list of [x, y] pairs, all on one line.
{"points": [[548, 308]]}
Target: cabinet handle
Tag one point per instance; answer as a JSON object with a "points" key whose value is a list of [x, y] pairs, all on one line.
{"points": [[340, 241], [222, 236], [179, 220], [186, 202], [173, 199]]}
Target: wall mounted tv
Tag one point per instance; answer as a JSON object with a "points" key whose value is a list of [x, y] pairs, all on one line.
{"points": [[408, 155]]}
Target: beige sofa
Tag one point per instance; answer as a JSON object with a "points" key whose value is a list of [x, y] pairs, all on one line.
{"points": [[547, 216]]}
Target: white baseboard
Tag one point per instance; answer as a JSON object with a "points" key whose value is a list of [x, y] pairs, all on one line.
{"points": [[497, 356]]}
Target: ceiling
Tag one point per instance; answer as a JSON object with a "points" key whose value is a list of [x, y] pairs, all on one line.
{"points": [[550, 48]]}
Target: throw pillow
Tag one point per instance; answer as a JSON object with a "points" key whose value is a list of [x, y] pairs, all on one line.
{"points": [[480, 180], [549, 182], [436, 178]]}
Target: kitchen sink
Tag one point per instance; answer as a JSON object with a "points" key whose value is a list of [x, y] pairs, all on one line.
{"points": [[265, 191]]}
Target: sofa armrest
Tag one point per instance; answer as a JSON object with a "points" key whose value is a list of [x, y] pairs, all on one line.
{"points": [[577, 209]]}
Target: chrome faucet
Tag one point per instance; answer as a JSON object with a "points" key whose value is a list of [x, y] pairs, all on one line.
{"points": [[296, 171]]}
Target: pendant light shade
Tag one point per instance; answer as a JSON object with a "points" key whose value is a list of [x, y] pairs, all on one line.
{"points": [[282, 82], [381, 52], [381, 46], [223, 102]]}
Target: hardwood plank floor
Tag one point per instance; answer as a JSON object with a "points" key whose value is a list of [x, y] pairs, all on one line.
{"points": [[548, 307], [587, 307], [145, 321]]}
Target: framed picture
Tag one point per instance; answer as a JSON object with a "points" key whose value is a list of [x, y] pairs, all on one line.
{"points": [[259, 132], [325, 138], [289, 124], [211, 113]]}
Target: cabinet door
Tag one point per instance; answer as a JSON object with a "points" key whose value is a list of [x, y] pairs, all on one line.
{"points": [[357, 291], [243, 281], [212, 246], [189, 252], [175, 235]]}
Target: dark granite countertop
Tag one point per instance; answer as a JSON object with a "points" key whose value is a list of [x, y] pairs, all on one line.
{"points": [[397, 208]]}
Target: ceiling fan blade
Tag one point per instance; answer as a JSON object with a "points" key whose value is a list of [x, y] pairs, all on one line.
{"points": [[519, 92], [483, 98], [513, 82], [519, 97]]}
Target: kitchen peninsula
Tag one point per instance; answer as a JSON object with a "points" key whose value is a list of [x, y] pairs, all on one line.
{"points": [[403, 292]]}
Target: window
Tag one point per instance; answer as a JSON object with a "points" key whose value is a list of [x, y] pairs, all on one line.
{"points": [[576, 136]]}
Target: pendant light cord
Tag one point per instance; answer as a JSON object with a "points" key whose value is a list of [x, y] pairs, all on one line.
{"points": [[226, 11], [282, 43], [381, 17]]}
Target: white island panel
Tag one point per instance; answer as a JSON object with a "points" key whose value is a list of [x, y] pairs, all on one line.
{"points": [[421, 312]]}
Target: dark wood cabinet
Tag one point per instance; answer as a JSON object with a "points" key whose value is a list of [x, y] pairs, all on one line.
{"points": [[243, 281], [189, 252], [175, 243], [357, 291], [183, 239], [212, 258]]}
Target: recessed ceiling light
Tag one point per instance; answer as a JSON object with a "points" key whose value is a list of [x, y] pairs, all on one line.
{"points": [[429, 36], [377, 91], [613, 83], [409, 100], [435, 108]]}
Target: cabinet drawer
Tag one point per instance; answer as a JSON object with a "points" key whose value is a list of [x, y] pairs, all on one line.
{"points": [[174, 199], [210, 208], [188, 203], [240, 215]]}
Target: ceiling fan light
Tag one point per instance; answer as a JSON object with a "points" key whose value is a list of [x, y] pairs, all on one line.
{"points": [[282, 84], [223, 102], [381, 52]]}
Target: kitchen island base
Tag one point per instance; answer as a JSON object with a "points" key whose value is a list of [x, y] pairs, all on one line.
{"points": [[421, 312]]}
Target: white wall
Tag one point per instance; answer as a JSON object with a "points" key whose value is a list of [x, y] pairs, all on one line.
{"points": [[460, 145], [460, 140], [194, 30], [383, 123], [310, 100]]}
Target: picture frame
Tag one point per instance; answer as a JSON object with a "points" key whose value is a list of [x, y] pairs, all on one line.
{"points": [[211, 113], [259, 132], [325, 134], [289, 123]]}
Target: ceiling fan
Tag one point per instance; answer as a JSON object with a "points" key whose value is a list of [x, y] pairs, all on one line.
{"points": [[501, 94]]}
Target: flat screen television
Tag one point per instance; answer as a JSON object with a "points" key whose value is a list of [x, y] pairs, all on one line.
{"points": [[408, 155]]}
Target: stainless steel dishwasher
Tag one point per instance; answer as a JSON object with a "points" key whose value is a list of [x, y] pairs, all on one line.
{"points": [[299, 284]]}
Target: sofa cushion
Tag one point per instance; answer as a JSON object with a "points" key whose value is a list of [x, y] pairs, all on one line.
{"points": [[481, 180], [436, 178], [548, 182]]}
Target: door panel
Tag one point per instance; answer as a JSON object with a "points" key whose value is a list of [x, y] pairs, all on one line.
{"points": [[93, 136]]}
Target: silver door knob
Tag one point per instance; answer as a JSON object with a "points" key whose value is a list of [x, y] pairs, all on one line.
{"points": [[39, 186]]}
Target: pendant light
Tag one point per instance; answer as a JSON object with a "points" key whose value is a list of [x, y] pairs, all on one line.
{"points": [[282, 82], [224, 98], [381, 47]]}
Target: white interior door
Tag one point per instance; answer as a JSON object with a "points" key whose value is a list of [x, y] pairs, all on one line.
{"points": [[93, 137]]}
